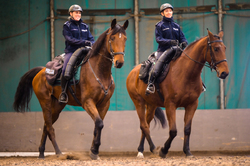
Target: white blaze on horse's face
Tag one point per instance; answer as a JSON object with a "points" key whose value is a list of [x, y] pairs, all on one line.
{"points": [[117, 45]]}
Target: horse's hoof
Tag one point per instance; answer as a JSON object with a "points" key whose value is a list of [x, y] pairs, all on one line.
{"points": [[94, 156], [189, 154], [41, 156], [140, 155], [162, 155], [156, 151]]}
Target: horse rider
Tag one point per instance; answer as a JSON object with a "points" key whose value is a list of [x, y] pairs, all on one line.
{"points": [[168, 34], [77, 36]]}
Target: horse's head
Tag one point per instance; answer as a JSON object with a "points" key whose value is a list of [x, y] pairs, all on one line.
{"points": [[116, 39], [217, 51]]}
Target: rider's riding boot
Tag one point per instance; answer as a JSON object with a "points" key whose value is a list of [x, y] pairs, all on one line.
{"points": [[63, 98], [151, 86], [165, 58]]}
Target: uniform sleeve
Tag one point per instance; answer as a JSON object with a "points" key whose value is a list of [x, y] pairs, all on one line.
{"points": [[90, 37], [69, 37], [182, 37], [159, 37]]}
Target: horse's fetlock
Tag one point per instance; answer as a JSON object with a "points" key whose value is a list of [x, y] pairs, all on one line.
{"points": [[187, 130], [173, 133]]}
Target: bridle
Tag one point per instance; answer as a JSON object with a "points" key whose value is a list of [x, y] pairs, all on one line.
{"points": [[112, 53], [213, 64]]}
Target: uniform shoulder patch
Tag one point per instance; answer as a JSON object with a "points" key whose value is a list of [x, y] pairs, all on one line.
{"points": [[67, 23], [159, 23]]}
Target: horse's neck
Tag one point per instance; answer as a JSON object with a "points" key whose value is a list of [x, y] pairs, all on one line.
{"points": [[102, 64], [196, 52]]}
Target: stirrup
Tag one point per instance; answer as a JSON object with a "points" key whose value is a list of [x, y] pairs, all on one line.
{"points": [[150, 88], [66, 98], [203, 89]]}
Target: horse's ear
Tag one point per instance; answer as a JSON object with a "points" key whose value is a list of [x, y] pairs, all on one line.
{"points": [[210, 35], [221, 34], [125, 25], [113, 23]]}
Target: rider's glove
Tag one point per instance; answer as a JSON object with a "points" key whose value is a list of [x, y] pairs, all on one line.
{"points": [[174, 42], [88, 43], [184, 45]]}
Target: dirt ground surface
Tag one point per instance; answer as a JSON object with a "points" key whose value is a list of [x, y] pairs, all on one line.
{"points": [[130, 159]]}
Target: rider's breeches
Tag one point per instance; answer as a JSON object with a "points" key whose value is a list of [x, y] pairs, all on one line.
{"points": [[164, 58], [66, 60]]}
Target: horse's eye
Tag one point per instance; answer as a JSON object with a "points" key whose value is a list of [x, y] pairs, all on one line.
{"points": [[112, 38], [216, 49]]}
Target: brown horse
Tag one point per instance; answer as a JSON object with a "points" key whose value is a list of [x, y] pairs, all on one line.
{"points": [[94, 90], [181, 88]]}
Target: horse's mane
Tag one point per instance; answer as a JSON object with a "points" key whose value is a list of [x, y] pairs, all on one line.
{"points": [[101, 40], [200, 39], [191, 44]]}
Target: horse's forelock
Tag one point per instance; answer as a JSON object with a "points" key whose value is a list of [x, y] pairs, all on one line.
{"points": [[118, 28]]}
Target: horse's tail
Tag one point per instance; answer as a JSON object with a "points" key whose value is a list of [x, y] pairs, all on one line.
{"points": [[160, 117], [24, 90]]}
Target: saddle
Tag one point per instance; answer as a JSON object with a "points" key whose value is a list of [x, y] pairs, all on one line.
{"points": [[53, 71], [148, 65]]}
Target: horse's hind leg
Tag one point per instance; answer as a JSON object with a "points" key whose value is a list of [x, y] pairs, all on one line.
{"points": [[189, 114], [171, 115], [43, 142], [50, 117]]}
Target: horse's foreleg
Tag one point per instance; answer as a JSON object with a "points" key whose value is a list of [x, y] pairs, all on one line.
{"points": [[97, 139], [189, 114], [98, 120], [171, 115], [144, 125]]}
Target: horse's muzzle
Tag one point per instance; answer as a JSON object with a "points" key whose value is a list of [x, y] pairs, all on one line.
{"points": [[223, 75], [118, 64]]}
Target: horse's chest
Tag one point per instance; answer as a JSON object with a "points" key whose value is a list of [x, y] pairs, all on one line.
{"points": [[185, 98]]}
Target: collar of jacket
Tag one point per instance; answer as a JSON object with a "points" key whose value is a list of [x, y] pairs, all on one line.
{"points": [[76, 22], [165, 19]]}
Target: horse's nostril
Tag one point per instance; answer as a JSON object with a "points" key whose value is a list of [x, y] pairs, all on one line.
{"points": [[118, 64], [223, 75]]}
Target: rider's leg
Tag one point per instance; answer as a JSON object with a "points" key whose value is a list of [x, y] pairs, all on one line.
{"points": [[63, 98], [165, 57]]}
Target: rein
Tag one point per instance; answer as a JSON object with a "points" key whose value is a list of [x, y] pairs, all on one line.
{"points": [[98, 80], [213, 64]]}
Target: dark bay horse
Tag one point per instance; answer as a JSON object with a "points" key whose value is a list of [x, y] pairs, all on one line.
{"points": [[181, 88], [94, 90]]}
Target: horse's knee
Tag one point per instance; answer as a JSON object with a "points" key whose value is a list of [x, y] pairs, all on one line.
{"points": [[172, 133], [99, 124], [187, 130]]}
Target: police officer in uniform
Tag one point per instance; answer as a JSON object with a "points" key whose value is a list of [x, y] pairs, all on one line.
{"points": [[77, 35], [168, 34]]}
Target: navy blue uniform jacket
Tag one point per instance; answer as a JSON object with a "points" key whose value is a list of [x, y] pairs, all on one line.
{"points": [[75, 34], [165, 31]]}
